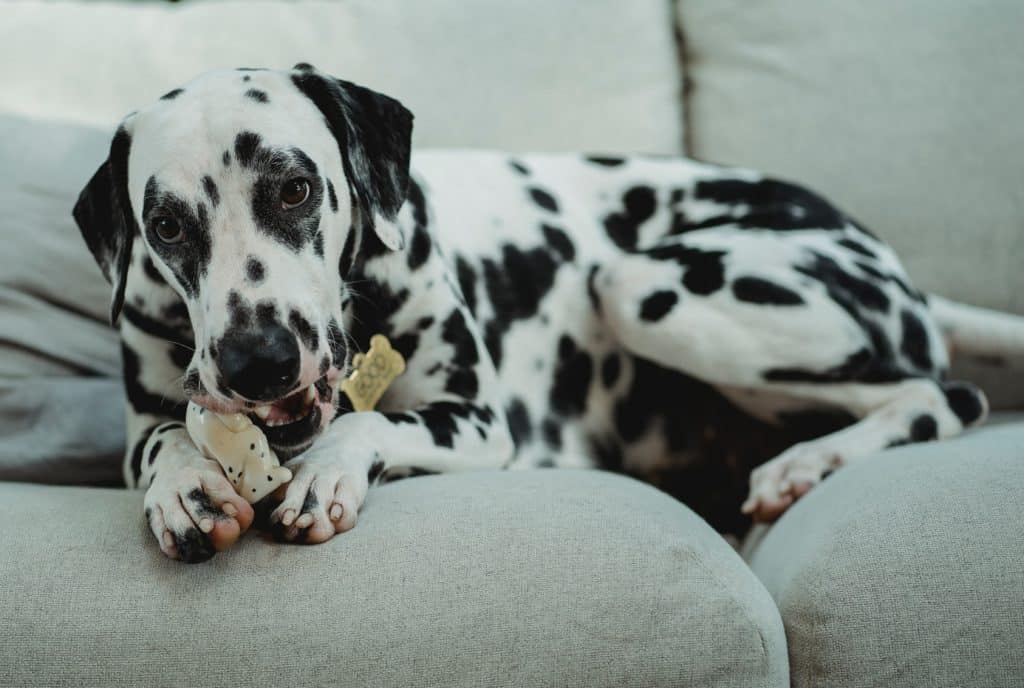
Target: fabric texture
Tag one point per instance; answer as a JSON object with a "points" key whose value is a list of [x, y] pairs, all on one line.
{"points": [[61, 398], [902, 113], [905, 568], [538, 578], [596, 75]]}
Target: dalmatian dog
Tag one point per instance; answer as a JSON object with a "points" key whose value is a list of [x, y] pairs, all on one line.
{"points": [[259, 226]]}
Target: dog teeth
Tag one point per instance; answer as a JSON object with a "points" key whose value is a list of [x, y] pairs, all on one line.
{"points": [[310, 395], [262, 411]]}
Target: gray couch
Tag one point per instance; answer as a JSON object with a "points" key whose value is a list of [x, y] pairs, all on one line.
{"points": [[903, 569]]}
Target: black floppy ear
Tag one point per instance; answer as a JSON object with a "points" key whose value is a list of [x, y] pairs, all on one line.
{"points": [[374, 134], [104, 216]]}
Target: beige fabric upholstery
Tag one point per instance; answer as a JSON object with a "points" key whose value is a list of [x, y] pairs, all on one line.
{"points": [[542, 578], [905, 569], [904, 113], [529, 74]]}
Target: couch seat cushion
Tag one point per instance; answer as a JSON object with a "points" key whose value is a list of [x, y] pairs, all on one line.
{"points": [[542, 578], [906, 568]]}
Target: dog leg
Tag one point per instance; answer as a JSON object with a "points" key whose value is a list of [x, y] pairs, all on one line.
{"points": [[745, 318], [895, 414]]}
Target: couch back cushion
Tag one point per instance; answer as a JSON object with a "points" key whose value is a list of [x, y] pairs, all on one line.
{"points": [[907, 114], [517, 74]]}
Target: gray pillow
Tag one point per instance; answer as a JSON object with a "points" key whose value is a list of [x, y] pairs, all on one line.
{"points": [[61, 402]]}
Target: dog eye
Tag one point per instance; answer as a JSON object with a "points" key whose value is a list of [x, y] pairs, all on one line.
{"points": [[294, 193], [168, 230]]}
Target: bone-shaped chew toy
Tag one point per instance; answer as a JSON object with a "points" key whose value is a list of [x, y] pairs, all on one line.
{"points": [[241, 448]]}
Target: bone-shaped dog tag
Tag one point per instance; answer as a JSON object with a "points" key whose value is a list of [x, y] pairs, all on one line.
{"points": [[374, 372]]}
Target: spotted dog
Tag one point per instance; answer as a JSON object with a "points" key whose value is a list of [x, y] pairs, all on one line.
{"points": [[661, 317]]}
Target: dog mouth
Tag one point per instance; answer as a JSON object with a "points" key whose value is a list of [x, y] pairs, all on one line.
{"points": [[292, 422]]}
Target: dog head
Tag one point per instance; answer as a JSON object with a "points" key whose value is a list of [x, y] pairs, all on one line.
{"points": [[253, 193]]}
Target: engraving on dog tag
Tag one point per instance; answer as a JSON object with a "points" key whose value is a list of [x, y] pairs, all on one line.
{"points": [[374, 372]]}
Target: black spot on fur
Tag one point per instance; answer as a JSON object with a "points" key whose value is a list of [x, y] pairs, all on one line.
{"points": [[762, 291], [347, 257], [965, 400], [657, 305], [848, 290], [639, 204], [705, 270], [425, 322], [515, 287], [152, 273], [266, 313], [318, 244], [595, 299], [332, 196], [462, 380], [240, 311], [518, 422], [771, 204], [419, 248], [610, 369], [257, 95], [406, 344], [543, 199], [518, 167], [857, 247], [605, 160], [440, 418], [559, 241], [142, 400], [373, 311], [226, 158], [573, 373], [171, 95], [210, 187], [915, 341], [924, 428], [551, 431], [140, 445], [467, 282], [304, 329], [246, 145]]}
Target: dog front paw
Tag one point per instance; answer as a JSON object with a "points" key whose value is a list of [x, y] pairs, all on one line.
{"points": [[194, 512], [322, 500]]}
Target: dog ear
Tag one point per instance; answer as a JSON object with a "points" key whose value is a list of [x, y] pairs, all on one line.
{"points": [[104, 216], [374, 135]]}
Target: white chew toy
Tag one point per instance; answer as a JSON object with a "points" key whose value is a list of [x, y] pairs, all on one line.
{"points": [[240, 448]]}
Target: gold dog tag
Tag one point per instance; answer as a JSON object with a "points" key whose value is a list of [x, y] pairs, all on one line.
{"points": [[374, 372]]}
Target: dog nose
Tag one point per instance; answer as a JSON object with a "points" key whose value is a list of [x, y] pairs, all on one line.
{"points": [[261, 365]]}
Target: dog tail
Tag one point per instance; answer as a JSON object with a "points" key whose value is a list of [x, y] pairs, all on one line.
{"points": [[980, 334]]}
